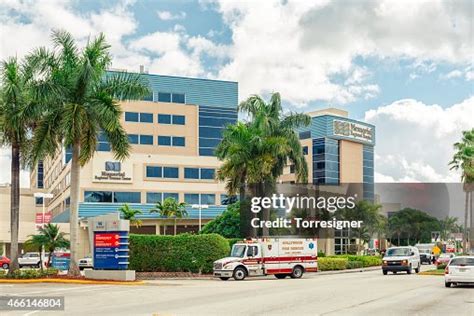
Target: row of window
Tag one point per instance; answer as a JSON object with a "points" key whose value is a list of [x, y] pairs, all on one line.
{"points": [[153, 197], [148, 118], [173, 173], [177, 141]]}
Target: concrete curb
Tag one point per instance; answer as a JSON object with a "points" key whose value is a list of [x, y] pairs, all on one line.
{"points": [[66, 281], [377, 268]]}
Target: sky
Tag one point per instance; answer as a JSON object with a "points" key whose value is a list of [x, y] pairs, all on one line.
{"points": [[404, 66]]}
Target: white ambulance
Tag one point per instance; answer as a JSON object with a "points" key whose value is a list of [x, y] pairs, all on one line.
{"points": [[281, 257]]}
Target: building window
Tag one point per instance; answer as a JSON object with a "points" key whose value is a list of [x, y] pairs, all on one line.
{"points": [[178, 98], [179, 119], [40, 175], [164, 140], [154, 172], [207, 174], [67, 154], [226, 200], [320, 165], [146, 117], [305, 135], [153, 197], [146, 139], [39, 201], [112, 166], [98, 196], [133, 138], [305, 150], [191, 198], [127, 197], [171, 195], [164, 118], [131, 117], [191, 173], [209, 199], [292, 168], [102, 142], [164, 97], [179, 141], [171, 172], [148, 97]]}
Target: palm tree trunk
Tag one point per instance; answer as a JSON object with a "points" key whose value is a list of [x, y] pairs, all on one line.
{"points": [[466, 210], [471, 235], [14, 206], [398, 242], [175, 226], [74, 209]]}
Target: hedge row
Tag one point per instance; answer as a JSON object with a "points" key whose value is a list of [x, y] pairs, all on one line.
{"points": [[328, 264], [29, 273], [181, 253], [367, 261]]}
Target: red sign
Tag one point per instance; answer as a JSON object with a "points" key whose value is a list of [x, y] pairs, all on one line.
{"points": [[47, 218], [106, 240]]}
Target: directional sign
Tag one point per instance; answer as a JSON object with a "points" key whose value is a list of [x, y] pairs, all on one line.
{"points": [[111, 250]]}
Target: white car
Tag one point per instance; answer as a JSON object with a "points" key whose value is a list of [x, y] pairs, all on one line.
{"points": [[401, 259], [32, 259], [85, 263], [459, 270]]}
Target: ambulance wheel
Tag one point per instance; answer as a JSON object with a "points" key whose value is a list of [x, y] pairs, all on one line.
{"points": [[297, 272], [224, 278], [239, 274], [281, 276]]}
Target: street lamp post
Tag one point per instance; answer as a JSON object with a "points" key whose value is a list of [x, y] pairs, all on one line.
{"points": [[200, 207], [43, 196]]}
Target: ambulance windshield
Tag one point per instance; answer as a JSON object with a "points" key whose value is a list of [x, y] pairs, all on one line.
{"points": [[238, 251]]}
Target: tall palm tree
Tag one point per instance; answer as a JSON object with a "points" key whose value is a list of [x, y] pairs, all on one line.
{"points": [[448, 225], [272, 123], [130, 214], [170, 208], [463, 159], [18, 112], [84, 102]]}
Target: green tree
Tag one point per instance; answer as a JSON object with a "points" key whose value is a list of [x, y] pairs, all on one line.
{"points": [[463, 160], [448, 226], [130, 214], [257, 152], [170, 208], [83, 102], [18, 112], [50, 237], [226, 224]]}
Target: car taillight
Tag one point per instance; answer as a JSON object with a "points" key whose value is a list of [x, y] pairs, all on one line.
{"points": [[446, 270]]}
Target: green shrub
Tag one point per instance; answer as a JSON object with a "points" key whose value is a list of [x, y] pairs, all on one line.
{"points": [[321, 254], [181, 253], [441, 266], [354, 264], [227, 224], [3, 274], [367, 261], [328, 264], [51, 271]]}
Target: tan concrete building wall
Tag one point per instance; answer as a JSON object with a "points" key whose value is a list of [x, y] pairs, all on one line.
{"points": [[350, 162]]}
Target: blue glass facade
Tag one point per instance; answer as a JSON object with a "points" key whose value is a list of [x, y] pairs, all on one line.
{"points": [[325, 161], [212, 121], [368, 172]]}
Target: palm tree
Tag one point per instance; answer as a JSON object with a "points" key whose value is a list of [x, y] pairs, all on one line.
{"points": [[448, 225], [257, 152], [170, 208], [130, 214], [17, 116], [82, 103], [463, 159], [37, 242], [50, 237]]}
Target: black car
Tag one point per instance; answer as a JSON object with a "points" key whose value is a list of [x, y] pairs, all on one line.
{"points": [[425, 258]]}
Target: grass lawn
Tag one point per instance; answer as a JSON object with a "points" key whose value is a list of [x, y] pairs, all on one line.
{"points": [[439, 272]]}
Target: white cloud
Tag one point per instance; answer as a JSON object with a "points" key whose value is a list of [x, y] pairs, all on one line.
{"points": [[5, 175], [415, 140], [295, 47], [452, 74], [167, 15]]}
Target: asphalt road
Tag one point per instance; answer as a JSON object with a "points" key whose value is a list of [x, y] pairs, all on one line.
{"points": [[362, 293]]}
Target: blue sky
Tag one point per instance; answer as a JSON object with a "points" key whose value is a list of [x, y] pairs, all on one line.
{"points": [[403, 66]]}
